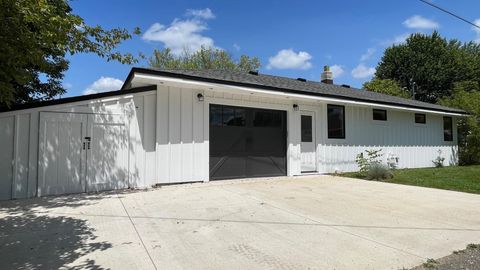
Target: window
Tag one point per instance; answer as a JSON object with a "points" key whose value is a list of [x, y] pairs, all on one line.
{"points": [[447, 129], [336, 121], [306, 126], [420, 118], [379, 115], [226, 116]]}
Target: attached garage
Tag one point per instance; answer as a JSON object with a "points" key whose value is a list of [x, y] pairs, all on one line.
{"points": [[247, 142]]}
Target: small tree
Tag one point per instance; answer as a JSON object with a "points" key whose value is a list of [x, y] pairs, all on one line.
{"points": [[466, 96], [205, 58], [372, 157], [386, 86]]}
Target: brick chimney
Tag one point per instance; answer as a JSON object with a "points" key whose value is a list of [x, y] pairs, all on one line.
{"points": [[327, 76]]}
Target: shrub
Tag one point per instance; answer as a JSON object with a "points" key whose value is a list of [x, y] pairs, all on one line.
{"points": [[378, 171], [439, 160], [373, 157]]}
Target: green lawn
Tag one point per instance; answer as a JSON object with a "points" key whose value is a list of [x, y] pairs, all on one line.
{"points": [[458, 178]]}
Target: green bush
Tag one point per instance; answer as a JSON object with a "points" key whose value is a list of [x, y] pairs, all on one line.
{"points": [[373, 157], [378, 171]]}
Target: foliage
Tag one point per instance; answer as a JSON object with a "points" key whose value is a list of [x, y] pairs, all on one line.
{"points": [[466, 96], [458, 178], [378, 171], [205, 58], [432, 62], [373, 157], [438, 161], [35, 37], [392, 161], [386, 86]]}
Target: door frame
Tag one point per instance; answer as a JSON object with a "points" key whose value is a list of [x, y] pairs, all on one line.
{"points": [[314, 139]]}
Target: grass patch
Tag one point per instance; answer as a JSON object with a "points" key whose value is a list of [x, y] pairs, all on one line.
{"points": [[458, 178]]}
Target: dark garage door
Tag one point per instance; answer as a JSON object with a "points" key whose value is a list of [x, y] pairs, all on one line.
{"points": [[247, 142]]}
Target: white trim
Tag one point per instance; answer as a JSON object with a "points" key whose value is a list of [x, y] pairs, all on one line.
{"points": [[284, 94]]}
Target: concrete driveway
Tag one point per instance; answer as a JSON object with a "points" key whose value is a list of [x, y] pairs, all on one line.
{"points": [[319, 222]]}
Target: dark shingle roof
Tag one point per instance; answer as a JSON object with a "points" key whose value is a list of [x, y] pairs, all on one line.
{"points": [[284, 84]]}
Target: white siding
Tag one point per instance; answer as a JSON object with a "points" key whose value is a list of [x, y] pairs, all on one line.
{"points": [[180, 136]]}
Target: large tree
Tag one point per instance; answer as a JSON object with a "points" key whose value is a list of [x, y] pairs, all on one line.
{"points": [[433, 63], [386, 86], [205, 58], [35, 37]]}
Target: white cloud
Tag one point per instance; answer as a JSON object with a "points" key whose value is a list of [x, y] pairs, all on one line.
{"points": [[205, 13], [288, 59], [419, 22], [236, 47], [361, 71], [183, 35], [477, 30], [368, 54], [103, 84], [67, 85], [337, 70]]}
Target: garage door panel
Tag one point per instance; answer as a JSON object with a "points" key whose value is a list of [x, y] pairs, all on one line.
{"points": [[228, 167], [246, 142], [260, 166]]}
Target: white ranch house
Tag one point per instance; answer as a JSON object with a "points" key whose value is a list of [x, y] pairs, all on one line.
{"points": [[174, 126]]}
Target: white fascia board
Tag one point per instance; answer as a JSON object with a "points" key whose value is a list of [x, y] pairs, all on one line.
{"points": [[213, 86]]}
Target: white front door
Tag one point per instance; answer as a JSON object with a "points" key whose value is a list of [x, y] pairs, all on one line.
{"points": [[308, 145], [61, 159], [107, 158]]}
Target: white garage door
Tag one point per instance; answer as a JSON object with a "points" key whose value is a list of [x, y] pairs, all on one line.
{"points": [[81, 152]]}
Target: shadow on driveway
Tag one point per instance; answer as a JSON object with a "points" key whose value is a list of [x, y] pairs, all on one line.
{"points": [[32, 239]]}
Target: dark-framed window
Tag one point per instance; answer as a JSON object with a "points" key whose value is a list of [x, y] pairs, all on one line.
{"points": [[447, 129], [227, 116], [336, 121], [306, 128], [379, 115], [420, 118]]}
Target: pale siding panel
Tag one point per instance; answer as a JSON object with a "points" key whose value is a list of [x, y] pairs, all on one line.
{"points": [[137, 156], [7, 126], [22, 136], [199, 155], [149, 121], [163, 145], [186, 143], [174, 135]]}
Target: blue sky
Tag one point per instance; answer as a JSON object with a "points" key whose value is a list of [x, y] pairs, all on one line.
{"points": [[291, 38]]}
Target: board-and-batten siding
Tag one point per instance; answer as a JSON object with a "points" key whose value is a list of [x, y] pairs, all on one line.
{"points": [[416, 145], [169, 131], [181, 145]]}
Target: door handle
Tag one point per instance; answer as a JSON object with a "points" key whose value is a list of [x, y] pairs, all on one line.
{"points": [[88, 139]]}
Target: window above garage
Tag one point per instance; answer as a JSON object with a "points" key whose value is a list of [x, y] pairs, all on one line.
{"points": [[227, 116]]}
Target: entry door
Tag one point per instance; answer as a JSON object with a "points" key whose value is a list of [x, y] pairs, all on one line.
{"points": [[308, 145], [61, 155], [82, 152], [107, 156]]}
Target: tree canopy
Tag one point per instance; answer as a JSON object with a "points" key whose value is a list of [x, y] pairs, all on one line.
{"points": [[205, 58], [466, 96], [386, 86], [432, 62], [35, 37]]}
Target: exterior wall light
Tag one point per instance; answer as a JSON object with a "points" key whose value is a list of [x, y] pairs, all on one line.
{"points": [[200, 97], [295, 107]]}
